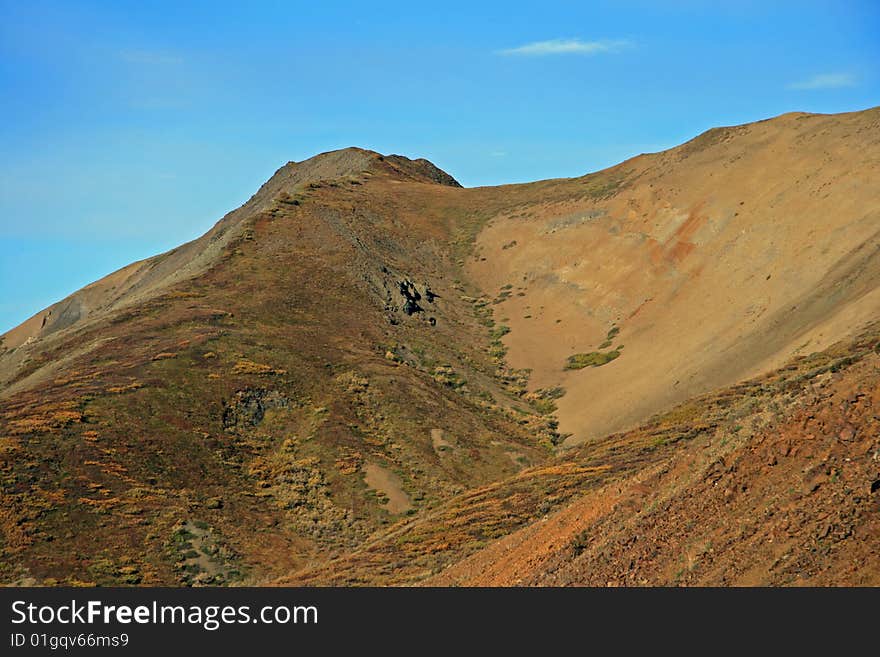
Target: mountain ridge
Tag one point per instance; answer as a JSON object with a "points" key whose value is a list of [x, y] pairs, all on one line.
{"points": [[193, 257], [364, 376], [351, 161]]}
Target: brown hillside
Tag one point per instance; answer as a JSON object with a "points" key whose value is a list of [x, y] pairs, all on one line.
{"points": [[361, 375], [772, 482], [276, 407]]}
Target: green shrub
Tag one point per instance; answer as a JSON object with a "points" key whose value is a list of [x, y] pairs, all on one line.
{"points": [[592, 359], [499, 332], [580, 543]]}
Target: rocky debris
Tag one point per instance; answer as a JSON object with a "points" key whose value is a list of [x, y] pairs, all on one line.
{"points": [[412, 297], [389, 285], [249, 406]]}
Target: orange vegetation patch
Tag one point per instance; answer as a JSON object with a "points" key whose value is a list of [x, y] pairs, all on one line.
{"points": [[350, 463], [47, 419], [245, 366], [126, 388]]}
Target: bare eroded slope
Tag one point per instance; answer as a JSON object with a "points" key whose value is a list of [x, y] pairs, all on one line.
{"points": [[707, 263]]}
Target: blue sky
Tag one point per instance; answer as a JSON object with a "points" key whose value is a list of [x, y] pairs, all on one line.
{"points": [[127, 128]]}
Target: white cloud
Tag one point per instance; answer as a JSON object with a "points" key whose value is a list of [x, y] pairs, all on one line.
{"points": [[567, 47], [825, 81], [149, 57]]}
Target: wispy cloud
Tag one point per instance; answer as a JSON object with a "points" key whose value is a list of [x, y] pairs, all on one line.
{"points": [[567, 47], [149, 57], [825, 81]]}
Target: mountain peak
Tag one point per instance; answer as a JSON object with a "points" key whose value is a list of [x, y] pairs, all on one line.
{"points": [[354, 161]]}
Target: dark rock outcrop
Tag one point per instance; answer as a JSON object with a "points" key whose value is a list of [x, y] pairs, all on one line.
{"points": [[249, 406]]}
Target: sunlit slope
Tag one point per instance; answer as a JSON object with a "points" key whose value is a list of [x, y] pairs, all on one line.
{"points": [[773, 481], [357, 376], [320, 377], [697, 266]]}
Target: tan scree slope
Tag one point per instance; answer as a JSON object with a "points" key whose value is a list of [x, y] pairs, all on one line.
{"points": [[716, 260]]}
